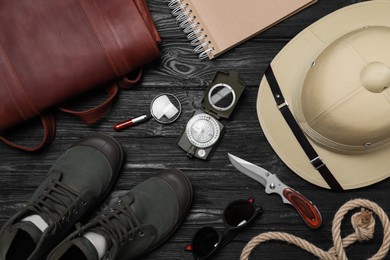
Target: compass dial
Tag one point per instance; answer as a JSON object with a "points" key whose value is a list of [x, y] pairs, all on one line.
{"points": [[202, 130]]}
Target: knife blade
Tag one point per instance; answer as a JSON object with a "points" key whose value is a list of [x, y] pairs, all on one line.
{"points": [[306, 209]]}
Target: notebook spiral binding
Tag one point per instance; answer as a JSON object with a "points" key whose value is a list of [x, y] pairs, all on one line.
{"points": [[191, 27]]}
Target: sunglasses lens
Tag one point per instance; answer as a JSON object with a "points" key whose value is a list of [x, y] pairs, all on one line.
{"points": [[205, 241], [238, 213]]}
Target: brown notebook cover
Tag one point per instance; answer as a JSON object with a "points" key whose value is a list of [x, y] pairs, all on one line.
{"points": [[215, 26]]}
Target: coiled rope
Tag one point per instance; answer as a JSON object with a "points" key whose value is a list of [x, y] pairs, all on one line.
{"points": [[363, 223]]}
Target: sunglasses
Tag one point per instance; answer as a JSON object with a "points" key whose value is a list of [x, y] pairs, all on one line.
{"points": [[208, 240]]}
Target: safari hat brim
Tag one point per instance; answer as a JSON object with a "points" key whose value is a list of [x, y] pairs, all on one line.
{"points": [[290, 67]]}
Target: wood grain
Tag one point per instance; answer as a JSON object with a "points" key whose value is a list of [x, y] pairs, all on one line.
{"points": [[151, 147]]}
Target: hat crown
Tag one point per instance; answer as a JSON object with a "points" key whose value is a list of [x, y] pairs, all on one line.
{"points": [[344, 102], [375, 77]]}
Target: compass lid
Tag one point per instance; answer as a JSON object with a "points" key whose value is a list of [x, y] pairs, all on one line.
{"points": [[223, 94]]}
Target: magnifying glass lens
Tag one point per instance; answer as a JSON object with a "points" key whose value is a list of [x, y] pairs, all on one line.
{"points": [[165, 108]]}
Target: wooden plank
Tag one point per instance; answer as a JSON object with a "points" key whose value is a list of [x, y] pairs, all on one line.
{"points": [[152, 147]]}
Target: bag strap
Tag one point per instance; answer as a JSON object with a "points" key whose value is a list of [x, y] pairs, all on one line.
{"points": [[49, 130], [131, 79], [89, 116], [92, 115]]}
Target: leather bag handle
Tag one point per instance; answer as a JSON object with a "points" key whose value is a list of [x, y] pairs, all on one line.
{"points": [[92, 115], [89, 116], [49, 131], [130, 80]]}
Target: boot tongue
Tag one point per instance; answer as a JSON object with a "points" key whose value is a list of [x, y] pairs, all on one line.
{"points": [[86, 247]]}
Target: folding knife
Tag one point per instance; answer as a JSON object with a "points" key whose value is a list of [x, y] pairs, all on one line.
{"points": [[306, 209]]}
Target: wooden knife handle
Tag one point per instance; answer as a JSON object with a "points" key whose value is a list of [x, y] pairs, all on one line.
{"points": [[305, 208]]}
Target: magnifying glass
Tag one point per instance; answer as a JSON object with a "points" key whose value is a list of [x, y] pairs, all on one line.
{"points": [[165, 109]]}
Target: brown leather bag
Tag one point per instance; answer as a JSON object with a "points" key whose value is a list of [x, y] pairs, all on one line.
{"points": [[51, 51]]}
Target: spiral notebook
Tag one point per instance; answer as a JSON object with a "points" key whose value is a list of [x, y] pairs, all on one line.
{"points": [[215, 26]]}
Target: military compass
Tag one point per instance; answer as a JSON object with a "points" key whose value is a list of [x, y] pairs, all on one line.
{"points": [[204, 130]]}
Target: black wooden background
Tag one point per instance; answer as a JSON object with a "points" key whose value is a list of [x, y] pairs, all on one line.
{"points": [[152, 147]]}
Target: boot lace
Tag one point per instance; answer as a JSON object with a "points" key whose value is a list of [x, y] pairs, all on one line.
{"points": [[57, 203], [119, 224]]}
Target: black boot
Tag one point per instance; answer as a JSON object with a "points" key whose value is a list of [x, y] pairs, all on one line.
{"points": [[136, 223], [76, 184]]}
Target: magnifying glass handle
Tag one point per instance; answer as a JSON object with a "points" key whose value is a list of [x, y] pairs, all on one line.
{"points": [[131, 122]]}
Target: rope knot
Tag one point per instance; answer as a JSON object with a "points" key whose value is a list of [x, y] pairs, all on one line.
{"points": [[363, 223]]}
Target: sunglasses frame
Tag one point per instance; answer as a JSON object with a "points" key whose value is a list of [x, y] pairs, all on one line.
{"points": [[229, 232]]}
